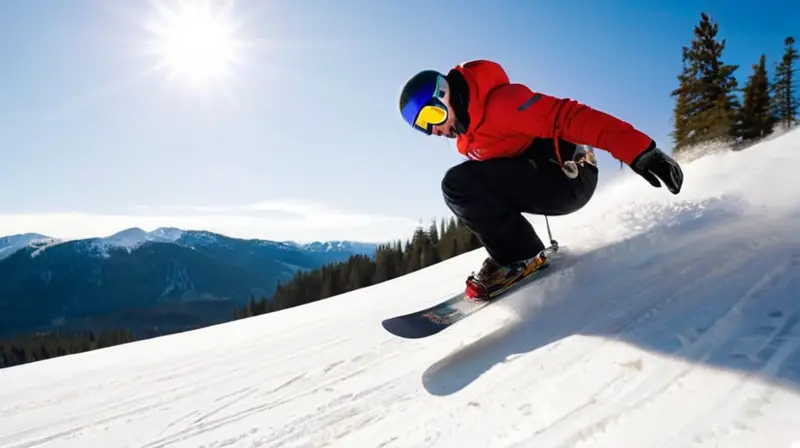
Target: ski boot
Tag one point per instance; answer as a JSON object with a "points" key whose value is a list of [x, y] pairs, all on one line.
{"points": [[494, 278]]}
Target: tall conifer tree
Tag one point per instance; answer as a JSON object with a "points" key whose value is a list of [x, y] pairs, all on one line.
{"points": [[785, 101], [706, 102]]}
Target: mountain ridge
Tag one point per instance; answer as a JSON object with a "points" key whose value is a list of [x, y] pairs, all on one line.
{"points": [[47, 283], [132, 237]]}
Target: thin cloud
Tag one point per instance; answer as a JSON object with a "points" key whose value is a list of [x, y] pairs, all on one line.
{"points": [[274, 220]]}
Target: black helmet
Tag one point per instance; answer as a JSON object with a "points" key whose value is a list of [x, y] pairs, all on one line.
{"points": [[420, 94]]}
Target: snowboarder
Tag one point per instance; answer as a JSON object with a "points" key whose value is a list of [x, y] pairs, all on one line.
{"points": [[528, 152]]}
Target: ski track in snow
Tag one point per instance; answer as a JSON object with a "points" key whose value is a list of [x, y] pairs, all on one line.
{"points": [[677, 326]]}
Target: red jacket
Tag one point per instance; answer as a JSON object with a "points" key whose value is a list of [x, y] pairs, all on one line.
{"points": [[506, 117]]}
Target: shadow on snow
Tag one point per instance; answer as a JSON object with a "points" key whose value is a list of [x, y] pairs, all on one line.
{"points": [[712, 287]]}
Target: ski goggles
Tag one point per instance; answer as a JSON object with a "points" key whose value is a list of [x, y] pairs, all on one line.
{"points": [[425, 109]]}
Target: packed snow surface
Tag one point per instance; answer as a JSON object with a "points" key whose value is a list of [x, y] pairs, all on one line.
{"points": [[667, 321]]}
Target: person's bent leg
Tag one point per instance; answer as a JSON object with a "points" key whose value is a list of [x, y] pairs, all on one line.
{"points": [[490, 196], [484, 196]]}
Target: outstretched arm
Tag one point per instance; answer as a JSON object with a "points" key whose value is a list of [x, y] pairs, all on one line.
{"points": [[540, 115]]}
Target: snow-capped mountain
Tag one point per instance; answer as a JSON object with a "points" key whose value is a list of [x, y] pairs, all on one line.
{"points": [[166, 233], [331, 251], [12, 243], [45, 280], [132, 238], [135, 236], [337, 246]]}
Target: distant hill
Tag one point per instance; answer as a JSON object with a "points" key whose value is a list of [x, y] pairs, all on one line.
{"points": [[184, 277], [330, 251], [13, 243]]}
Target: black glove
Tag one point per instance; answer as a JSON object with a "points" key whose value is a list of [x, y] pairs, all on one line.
{"points": [[653, 165]]}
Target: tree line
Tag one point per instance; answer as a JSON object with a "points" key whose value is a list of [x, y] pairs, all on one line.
{"points": [[36, 347], [708, 107], [426, 247]]}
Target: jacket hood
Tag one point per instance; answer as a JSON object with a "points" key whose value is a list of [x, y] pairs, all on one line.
{"points": [[482, 77]]}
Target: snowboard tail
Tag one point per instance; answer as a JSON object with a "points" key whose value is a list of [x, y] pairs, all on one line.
{"points": [[438, 317]]}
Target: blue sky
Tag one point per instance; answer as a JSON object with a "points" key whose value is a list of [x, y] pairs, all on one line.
{"points": [[302, 139]]}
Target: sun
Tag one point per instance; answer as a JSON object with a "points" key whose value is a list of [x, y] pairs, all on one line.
{"points": [[194, 42]]}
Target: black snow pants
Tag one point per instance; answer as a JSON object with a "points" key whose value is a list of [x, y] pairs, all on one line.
{"points": [[489, 196]]}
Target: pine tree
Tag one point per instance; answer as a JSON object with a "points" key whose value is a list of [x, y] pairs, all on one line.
{"points": [[331, 284], [706, 103], [765, 118], [433, 233], [683, 112], [251, 306], [756, 119], [430, 255], [355, 279], [415, 250], [785, 101], [452, 225], [383, 265], [3, 358]]}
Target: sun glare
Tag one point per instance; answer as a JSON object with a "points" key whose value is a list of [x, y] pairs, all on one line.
{"points": [[194, 42]]}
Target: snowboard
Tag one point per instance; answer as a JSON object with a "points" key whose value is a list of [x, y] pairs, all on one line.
{"points": [[442, 315]]}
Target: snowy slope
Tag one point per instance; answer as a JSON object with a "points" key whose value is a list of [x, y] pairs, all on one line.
{"points": [[670, 321]]}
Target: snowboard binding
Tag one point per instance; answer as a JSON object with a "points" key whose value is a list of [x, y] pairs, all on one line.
{"points": [[479, 291]]}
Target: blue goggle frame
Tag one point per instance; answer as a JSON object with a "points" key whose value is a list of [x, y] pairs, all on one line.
{"points": [[424, 98]]}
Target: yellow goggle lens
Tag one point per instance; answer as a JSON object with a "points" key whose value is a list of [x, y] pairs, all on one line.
{"points": [[431, 115]]}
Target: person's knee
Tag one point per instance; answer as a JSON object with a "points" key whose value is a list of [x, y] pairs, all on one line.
{"points": [[457, 181], [588, 186]]}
